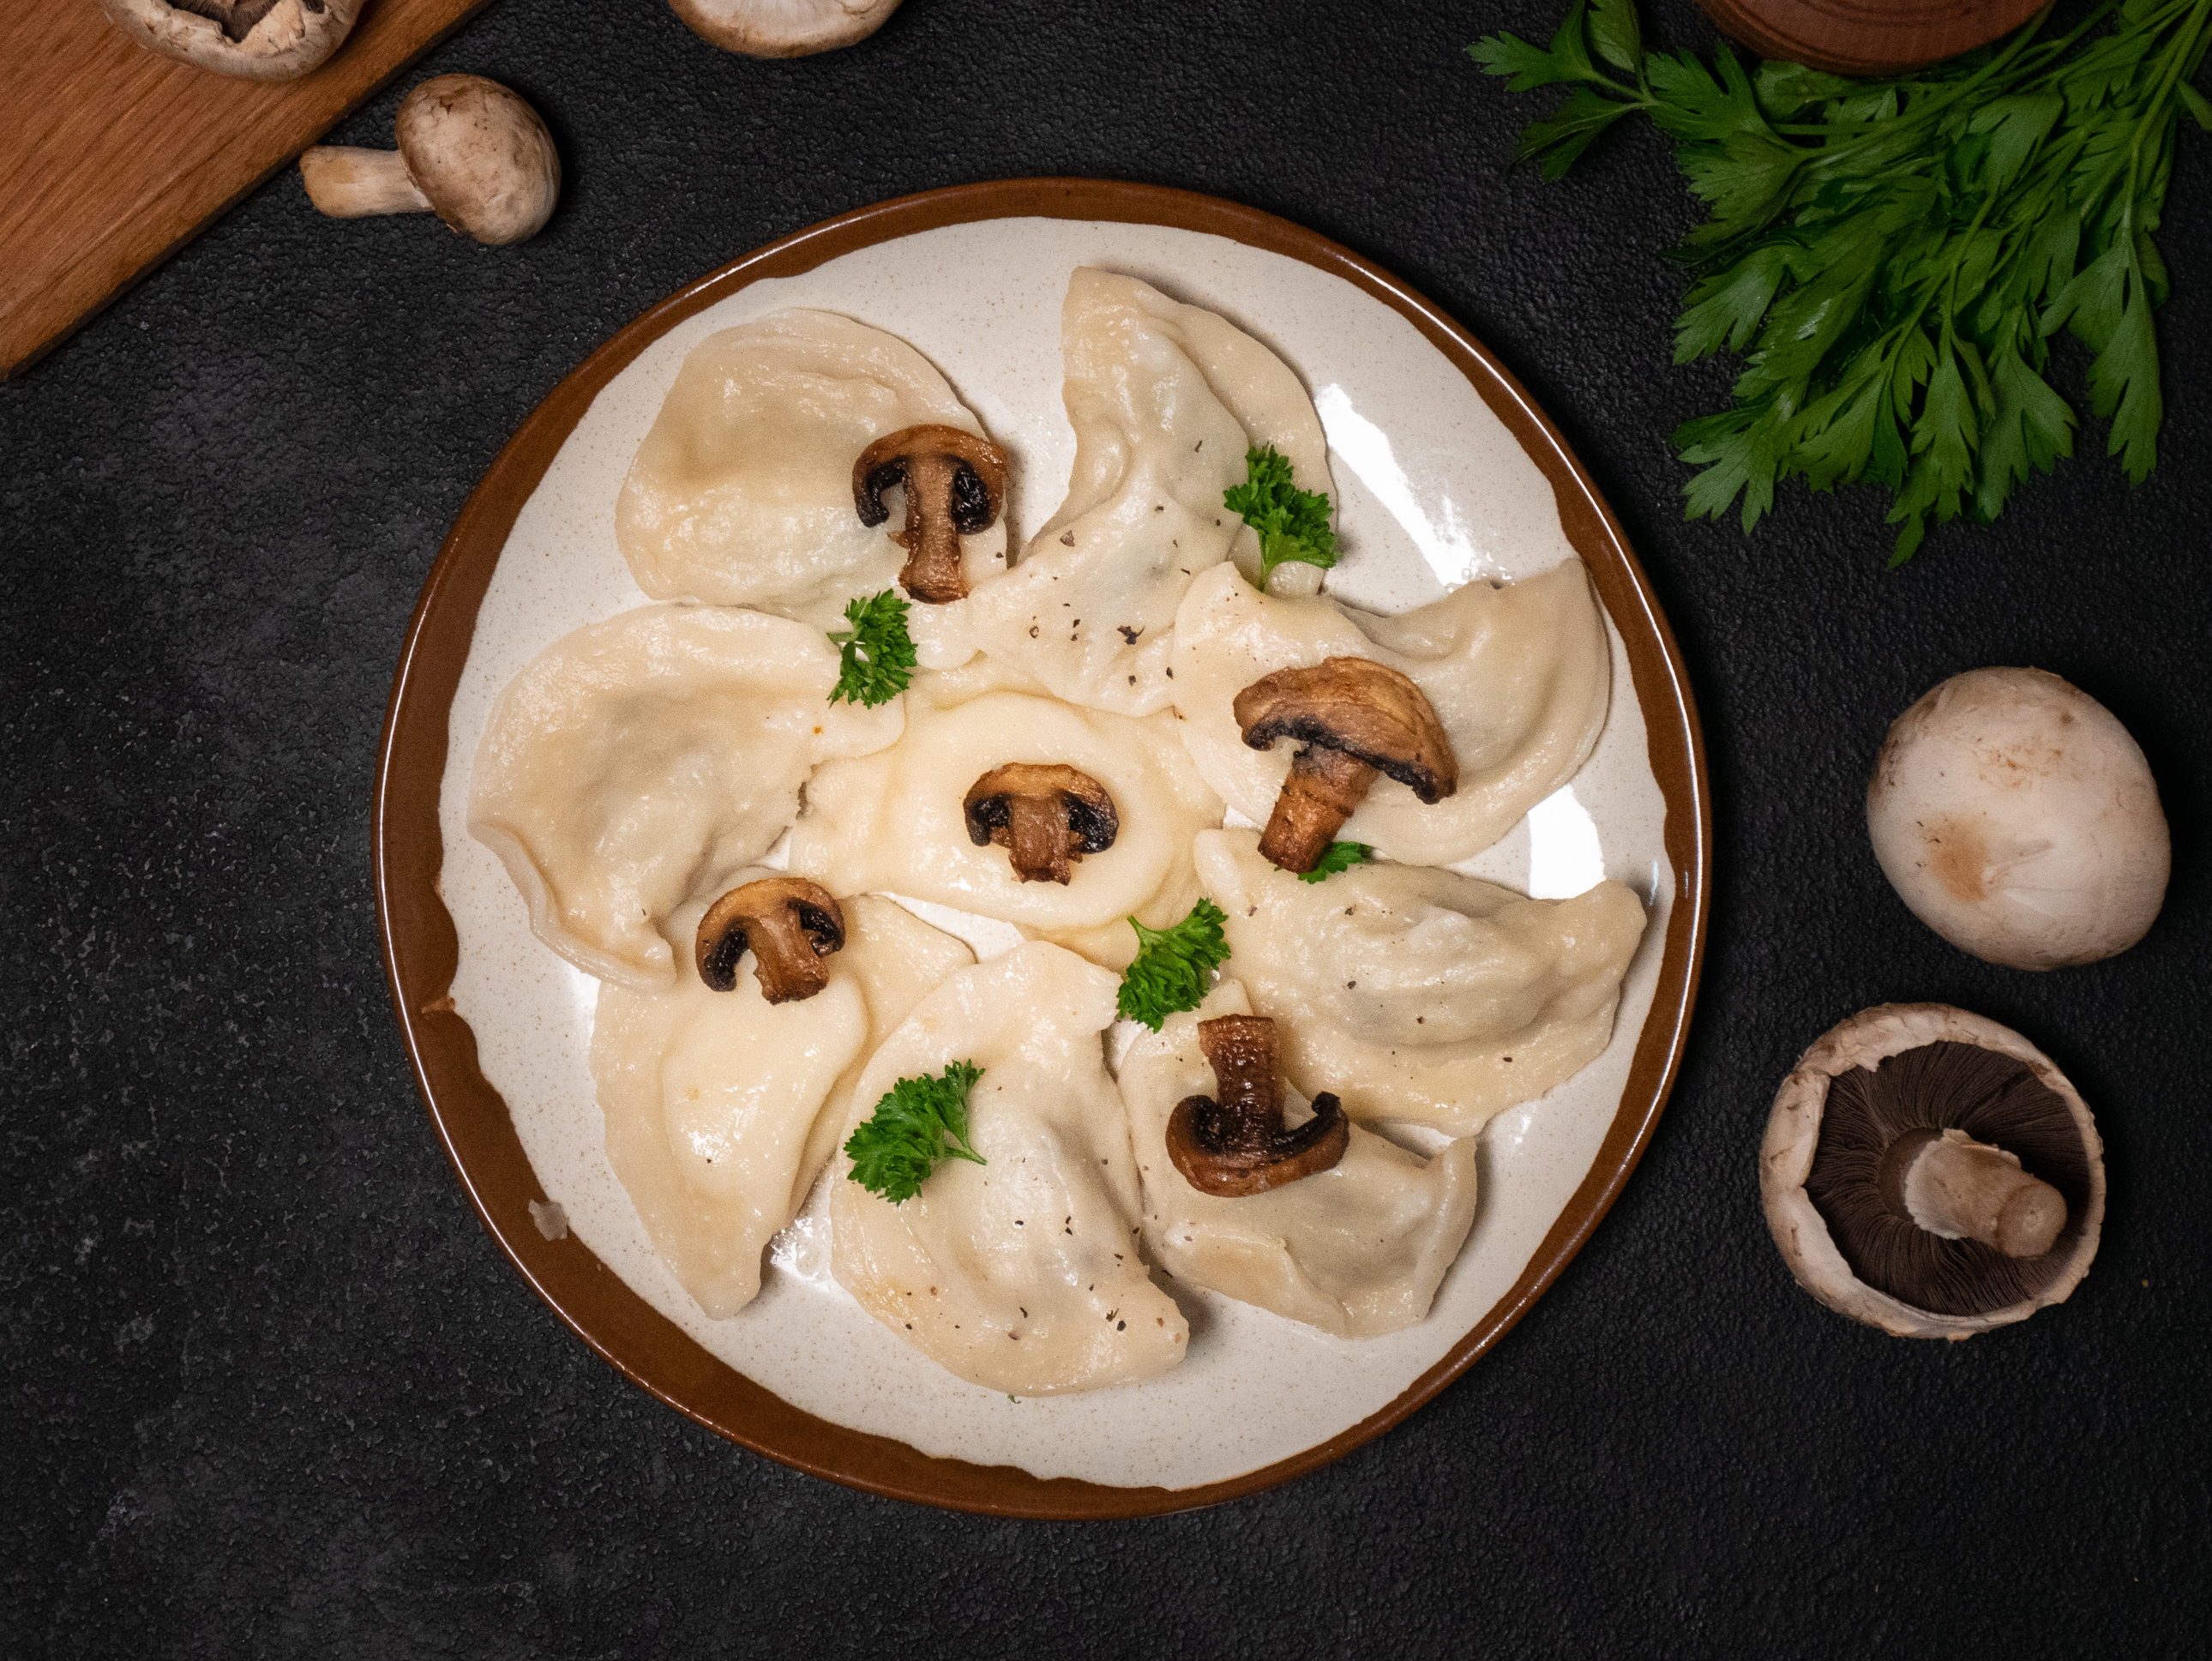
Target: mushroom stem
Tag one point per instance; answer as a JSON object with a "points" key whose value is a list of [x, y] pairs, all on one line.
{"points": [[347, 182], [1323, 787], [932, 573], [1037, 838], [1240, 1145], [1958, 1189]]}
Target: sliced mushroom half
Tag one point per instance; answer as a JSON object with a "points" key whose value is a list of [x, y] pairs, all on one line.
{"points": [[1932, 1173], [1356, 718], [955, 486], [790, 924], [1240, 1144], [1046, 816]]}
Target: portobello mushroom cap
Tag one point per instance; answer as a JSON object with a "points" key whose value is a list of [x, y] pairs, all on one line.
{"points": [[1046, 815], [1356, 718], [1932, 1173], [1240, 1144], [790, 924], [955, 486]]}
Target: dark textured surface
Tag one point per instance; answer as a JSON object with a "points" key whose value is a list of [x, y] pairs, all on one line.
{"points": [[269, 1388]]}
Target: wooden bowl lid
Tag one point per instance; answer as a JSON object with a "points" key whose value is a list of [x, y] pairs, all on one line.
{"points": [[1867, 37]]}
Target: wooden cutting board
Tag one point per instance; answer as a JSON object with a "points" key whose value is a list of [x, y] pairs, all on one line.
{"points": [[112, 157]]}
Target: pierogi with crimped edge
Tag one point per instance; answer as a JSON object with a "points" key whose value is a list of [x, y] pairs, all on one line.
{"points": [[637, 764], [892, 823], [1357, 1249], [1165, 398], [1418, 993], [742, 492], [722, 1108], [1519, 673], [1023, 1274]]}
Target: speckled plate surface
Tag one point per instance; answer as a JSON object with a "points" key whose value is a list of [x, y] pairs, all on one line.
{"points": [[1445, 474]]}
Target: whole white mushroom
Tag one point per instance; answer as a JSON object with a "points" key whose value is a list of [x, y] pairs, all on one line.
{"points": [[2018, 819]]}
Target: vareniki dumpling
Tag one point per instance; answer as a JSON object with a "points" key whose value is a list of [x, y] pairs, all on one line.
{"points": [[742, 493], [638, 763], [721, 1108], [893, 822], [1520, 675], [1021, 1275], [1165, 398], [1356, 1250], [1418, 993]]}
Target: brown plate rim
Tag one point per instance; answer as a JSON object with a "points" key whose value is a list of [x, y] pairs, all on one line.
{"points": [[420, 949]]}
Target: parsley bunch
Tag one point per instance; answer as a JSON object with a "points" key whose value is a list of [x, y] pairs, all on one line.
{"points": [[1892, 258], [921, 1122], [1170, 970], [1292, 524], [875, 656]]}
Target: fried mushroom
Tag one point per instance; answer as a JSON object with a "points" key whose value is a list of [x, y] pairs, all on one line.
{"points": [[1046, 816], [790, 925], [955, 486], [1239, 1144]]}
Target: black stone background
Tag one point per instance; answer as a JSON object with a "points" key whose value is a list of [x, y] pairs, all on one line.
{"points": [[270, 1389]]}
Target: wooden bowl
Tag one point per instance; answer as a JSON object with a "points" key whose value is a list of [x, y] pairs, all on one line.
{"points": [[1867, 37]]}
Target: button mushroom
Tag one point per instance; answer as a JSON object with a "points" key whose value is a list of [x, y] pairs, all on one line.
{"points": [[1932, 1173], [1356, 718], [2018, 819], [253, 39], [1047, 816], [783, 28], [956, 485], [470, 151], [790, 924], [1240, 1145]]}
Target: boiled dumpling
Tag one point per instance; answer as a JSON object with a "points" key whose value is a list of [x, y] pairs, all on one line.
{"points": [[1165, 398], [1520, 676], [742, 493], [637, 764], [892, 821], [1021, 1275], [1418, 993], [721, 1108], [1356, 1250]]}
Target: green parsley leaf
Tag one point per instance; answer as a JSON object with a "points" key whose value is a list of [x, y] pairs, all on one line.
{"points": [[1292, 524], [1890, 258], [876, 654], [1338, 856], [921, 1122], [1172, 965]]}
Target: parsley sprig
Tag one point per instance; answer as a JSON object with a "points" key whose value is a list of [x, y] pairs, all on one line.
{"points": [[1172, 965], [1338, 856], [1292, 524], [875, 657], [921, 1123], [1892, 258]]}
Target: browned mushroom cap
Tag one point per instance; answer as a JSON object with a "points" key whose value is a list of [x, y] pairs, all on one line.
{"points": [[790, 923], [256, 39], [1356, 717], [1932, 1173], [1239, 1144], [1047, 816], [955, 484]]}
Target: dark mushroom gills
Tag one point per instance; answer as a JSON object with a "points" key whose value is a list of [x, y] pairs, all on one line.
{"points": [[1237, 1142], [1930, 1172], [955, 486], [1355, 718], [1046, 815], [790, 925]]}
